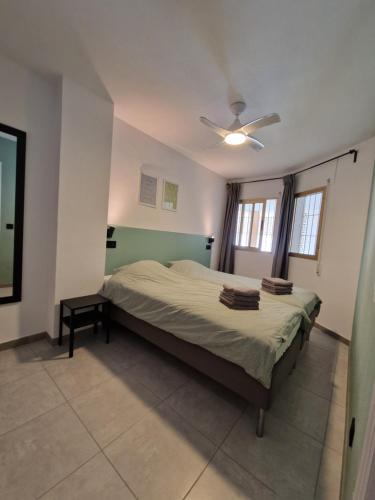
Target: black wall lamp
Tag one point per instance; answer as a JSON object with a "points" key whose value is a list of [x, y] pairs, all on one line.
{"points": [[110, 231], [210, 240]]}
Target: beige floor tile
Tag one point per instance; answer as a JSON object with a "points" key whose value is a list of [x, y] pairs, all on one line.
{"points": [[27, 398], [313, 379], [112, 407], [340, 386], [121, 334], [125, 352], [317, 357], [285, 459], [324, 494], [343, 351], [83, 337], [37, 455], [17, 363], [160, 451], [225, 480], [341, 367], [302, 409], [160, 373], [161, 456], [335, 433], [208, 407], [323, 340], [329, 475], [80, 373], [45, 350], [96, 480], [339, 397], [119, 354]]}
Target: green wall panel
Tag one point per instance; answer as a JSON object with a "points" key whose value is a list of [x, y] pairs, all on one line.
{"points": [[139, 244], [362, 351]]}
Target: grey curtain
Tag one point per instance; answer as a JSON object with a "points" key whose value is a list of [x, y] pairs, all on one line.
{"points": [[226, 259], [280, 263]]}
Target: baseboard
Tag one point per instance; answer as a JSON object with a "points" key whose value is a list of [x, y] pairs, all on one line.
{"points": [[55, 340], [332, 334], [10, 344]]}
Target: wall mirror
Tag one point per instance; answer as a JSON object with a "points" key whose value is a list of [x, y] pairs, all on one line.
{"points": [[12, 182]]}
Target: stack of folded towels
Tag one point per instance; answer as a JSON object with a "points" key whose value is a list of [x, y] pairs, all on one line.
{"points": [[240, 297], [277, 286]]}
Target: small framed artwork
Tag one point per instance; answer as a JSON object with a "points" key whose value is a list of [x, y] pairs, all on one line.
{"points": [[148, 190], [170, 196]]}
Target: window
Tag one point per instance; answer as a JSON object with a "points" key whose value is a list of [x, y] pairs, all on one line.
{"points": [[307, 221], [255, 224]]}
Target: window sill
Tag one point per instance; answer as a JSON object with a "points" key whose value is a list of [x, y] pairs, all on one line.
{"points": [[302, 256], [255, 250]]}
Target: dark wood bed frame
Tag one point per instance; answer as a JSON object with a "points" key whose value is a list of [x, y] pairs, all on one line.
{"points": [[226, 373]]}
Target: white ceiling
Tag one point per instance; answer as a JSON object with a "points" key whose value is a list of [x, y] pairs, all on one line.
{"points": [[166, 62]]}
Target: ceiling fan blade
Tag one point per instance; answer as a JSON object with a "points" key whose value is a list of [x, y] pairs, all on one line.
{"points": [[219, 130], [259, 123], [254, 143]]}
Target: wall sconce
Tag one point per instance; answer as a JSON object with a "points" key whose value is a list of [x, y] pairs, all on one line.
{"points": [[110, 231], [210, 240]]}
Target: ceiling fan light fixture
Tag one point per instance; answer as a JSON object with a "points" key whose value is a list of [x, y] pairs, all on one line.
{"points": [[235, 138]]}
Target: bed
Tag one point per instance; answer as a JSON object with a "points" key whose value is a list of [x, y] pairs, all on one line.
{"points": [[250, 352], [305, 299]]}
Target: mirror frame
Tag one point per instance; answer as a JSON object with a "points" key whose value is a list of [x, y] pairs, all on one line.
{"points": [[19, 213]]}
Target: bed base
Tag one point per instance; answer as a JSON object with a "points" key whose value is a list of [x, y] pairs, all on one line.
{"points": [[222, 371], [312, 316]]}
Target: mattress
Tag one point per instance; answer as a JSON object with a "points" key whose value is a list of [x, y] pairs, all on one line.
{"points": [[305, 299], [189, 309]]}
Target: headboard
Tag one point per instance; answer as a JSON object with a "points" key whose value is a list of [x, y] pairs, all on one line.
{"points": [[134, 244]]}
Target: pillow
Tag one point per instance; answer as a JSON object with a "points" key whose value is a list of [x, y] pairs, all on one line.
{"points": [[187, 267], [139, 263]]}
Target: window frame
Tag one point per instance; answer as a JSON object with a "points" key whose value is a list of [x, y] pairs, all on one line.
{"points": [[249, 248], [323, 190]]}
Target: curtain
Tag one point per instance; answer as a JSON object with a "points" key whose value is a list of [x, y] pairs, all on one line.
{"points": [[226, 259], [280, 262]]}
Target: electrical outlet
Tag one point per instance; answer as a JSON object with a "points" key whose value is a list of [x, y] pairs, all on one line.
{"points": [[351, 433]]}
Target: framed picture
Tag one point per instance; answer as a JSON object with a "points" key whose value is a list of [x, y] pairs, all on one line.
{"points": [[170, 196], [148, 190]]}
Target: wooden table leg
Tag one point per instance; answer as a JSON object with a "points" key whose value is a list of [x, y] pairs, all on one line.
{"points": [[61, 323], [107, 322], [71, 335], [96, 321]]}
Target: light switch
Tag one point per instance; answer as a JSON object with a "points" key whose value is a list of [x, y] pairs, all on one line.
{"points": [[373, 294]]}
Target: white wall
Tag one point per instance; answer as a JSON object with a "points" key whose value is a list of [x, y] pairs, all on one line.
{"points": [[201, 197], [85, 161], [68, 161], [31, 103], [342, 238]]}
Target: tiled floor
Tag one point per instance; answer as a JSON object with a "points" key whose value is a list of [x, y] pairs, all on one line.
{"points": [[125, 421]]}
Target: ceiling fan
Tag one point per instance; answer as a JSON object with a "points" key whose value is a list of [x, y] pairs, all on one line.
{"points": [[237, 133]]}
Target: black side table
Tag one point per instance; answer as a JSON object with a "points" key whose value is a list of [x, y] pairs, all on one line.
{"points": [[99, 311]]}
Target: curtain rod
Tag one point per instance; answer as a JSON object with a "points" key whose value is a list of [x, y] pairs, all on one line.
{"points": [[353, 152]]}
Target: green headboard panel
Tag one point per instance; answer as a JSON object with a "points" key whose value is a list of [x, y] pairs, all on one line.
{"points": [[138, 244]]}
